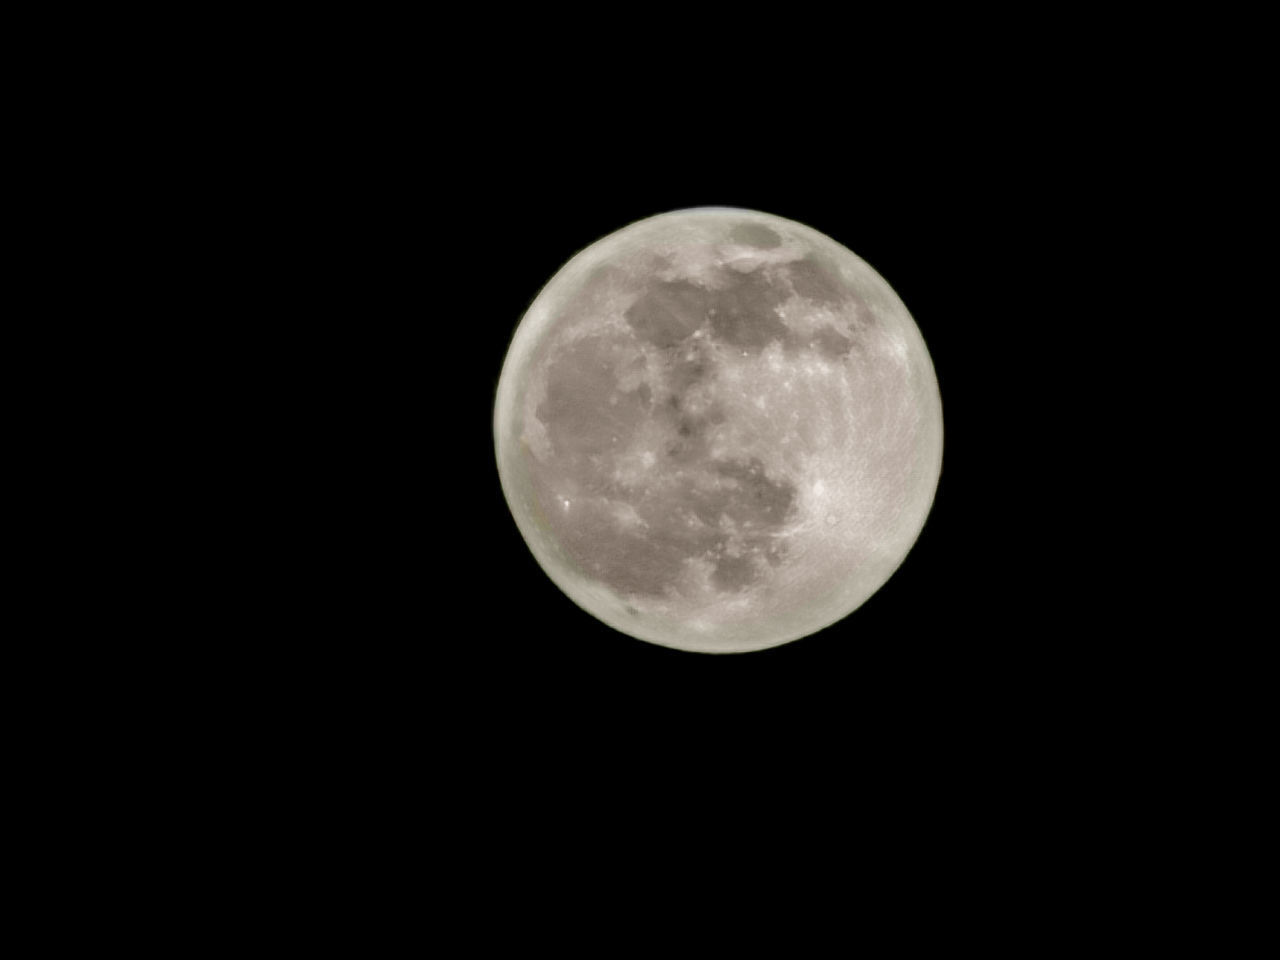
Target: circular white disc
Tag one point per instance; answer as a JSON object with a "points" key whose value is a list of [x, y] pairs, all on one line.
{"points": [[718, 430]]}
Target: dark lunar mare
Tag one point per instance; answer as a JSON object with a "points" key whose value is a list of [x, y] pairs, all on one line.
{"points": [[729, 512], [755, 235]]}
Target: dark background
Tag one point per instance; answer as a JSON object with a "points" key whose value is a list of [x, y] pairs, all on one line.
{"points": [[380, 665], [444, 225]]}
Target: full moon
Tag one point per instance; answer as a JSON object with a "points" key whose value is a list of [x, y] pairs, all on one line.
{"points": [[718, 430]]}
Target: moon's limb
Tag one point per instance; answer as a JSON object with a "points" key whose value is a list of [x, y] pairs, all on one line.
{"points": [[718, 430]]}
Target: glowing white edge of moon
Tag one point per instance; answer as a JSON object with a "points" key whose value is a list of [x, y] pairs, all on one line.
{"points": [[598, 599]]}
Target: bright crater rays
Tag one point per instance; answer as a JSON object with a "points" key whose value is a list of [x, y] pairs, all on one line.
{"points": [[718, 430]]}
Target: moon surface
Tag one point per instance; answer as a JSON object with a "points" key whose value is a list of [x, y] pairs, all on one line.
{"points": [[718, 430]]}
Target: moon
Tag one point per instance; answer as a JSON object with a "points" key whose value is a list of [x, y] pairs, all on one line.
{"points": [[718, 430]]}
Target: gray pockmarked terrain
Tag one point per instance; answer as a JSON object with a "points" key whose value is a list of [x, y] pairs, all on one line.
{"points": [[718, 430]]}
